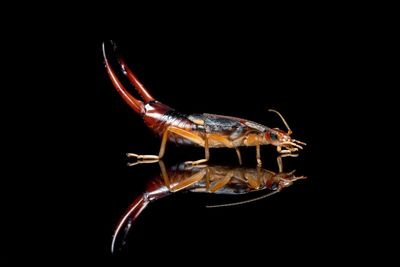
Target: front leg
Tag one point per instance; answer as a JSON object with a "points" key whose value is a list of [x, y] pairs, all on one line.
{"points": [[239, 156], [286, 150], [279, 160]]}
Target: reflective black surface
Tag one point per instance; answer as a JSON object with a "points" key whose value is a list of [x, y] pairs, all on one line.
{"points": [[244, 185], [300, 80], [214, 81]]}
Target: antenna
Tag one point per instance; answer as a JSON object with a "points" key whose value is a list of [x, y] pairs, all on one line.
{"points": [[242, 202], [279, 114]]}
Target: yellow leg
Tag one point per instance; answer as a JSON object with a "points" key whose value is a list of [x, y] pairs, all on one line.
{"points": [[221, 139], [254, 179], [143, 157], [206, 152], [222, 182], [280, 164], [239, 156], [153, 157], [183, 133], [258, 154], [189, 181], [164, 174], [227, 143], [279, 160], [130, 164], [285, 151], [186, 181]]}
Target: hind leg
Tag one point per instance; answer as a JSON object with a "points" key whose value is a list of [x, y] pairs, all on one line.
{"points": [[183, 133]]}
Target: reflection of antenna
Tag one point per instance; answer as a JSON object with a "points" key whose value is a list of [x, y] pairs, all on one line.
{"points": [[279, 114], [242, 202]]}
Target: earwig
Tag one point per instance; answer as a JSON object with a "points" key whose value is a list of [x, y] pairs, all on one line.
{"points": [[204, 130], [205, 179]]}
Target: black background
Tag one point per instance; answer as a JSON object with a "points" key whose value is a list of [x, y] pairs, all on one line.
{"points": [[310, 73], [230, 73]]}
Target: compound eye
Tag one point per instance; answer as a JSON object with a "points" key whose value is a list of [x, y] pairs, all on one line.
{"points": [[273, 136]]}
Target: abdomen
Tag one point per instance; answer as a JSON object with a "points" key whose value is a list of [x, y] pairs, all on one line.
{"points": [[158, 117]]}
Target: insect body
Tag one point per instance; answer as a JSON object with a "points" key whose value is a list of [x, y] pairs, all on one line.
{"points": [[206, 179], [204, 130]]}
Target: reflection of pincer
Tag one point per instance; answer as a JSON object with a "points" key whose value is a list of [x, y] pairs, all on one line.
{"points": [[208, 179]]}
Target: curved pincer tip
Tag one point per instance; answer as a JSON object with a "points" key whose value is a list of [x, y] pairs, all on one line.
{"points": [[125, 223], [134, 103]]}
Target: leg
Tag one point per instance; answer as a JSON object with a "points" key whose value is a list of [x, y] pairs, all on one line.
{"points": [[253, 179], [239, 156], [221, 139], [130, 164], [228, 143], [279, 160], [280, 164], [285, 151], [189, 181], [208, 174], [164, 174], [222, 182], [258, 154], [153, 157], [185, 134], [186, 181], [206, 152]]}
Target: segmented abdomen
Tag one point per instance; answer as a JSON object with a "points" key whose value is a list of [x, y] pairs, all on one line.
{"points": [[158, 117]]}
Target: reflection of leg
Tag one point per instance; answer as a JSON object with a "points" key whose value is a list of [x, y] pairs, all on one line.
{"points": [[206, 152], [239, 156], [279, 160], [171, 129], [208, 174], [217, 185], [280, 164], [186, 182], [164, 174], [253, 179], [189, 181], [258, 154]]}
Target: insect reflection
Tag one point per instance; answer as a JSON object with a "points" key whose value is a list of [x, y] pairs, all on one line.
{"points": [[212, 179]]}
